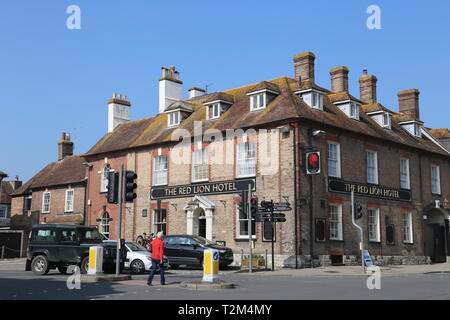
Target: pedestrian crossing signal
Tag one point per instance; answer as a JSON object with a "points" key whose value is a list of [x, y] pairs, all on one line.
{"points": [[313, 162]]}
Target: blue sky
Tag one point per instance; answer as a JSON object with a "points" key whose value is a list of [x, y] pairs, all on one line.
{"points": [[53, 79]]}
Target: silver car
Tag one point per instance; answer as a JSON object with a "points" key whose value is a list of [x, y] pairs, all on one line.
{"points": [[138, 257]]}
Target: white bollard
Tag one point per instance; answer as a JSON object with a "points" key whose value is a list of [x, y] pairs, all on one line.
{"points": [[211, 265], [95, 260]]}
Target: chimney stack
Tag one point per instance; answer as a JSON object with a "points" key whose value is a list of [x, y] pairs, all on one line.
{"points": [[304, 67], [368, 88], [65, 146], [339, 79], [16, 183], [170, 88], [118, 111], [196, 92], [408, 102]]}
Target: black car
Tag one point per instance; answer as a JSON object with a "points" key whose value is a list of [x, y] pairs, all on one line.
{"points": [[188, 250], [59, 246]]}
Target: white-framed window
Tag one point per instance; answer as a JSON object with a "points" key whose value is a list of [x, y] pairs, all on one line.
{"points": [[246, 159], [258, 101], [200, 165], [104, 177], [104, 224], [404, 174], [159, 221], [386, 120], [334, 159], [407, 228], [46, 198], [174, 118], [3, 211], [242, 227], [435, 179], [160, 170], [69, 200], [317, 101], [336, 222], [372, 167], [214, 111], [354, 111], [373, 215], [417, 132]]}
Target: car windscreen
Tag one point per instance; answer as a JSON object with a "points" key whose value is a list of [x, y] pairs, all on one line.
{"points": [[85, 234], [135, 246], [202, 240]]}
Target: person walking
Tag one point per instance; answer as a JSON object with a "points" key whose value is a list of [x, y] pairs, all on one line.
{"points": [[157, 258]]}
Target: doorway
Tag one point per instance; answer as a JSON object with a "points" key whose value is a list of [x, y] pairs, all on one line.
{"points": [[436, 234], [200, 222]]}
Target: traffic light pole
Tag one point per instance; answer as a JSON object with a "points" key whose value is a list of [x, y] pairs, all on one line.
{"points": [[119, 222], [361, 243], [273, 238]]}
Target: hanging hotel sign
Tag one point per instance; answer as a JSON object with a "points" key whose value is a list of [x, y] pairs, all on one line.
{"points": [[222, 187], [368, 190]]}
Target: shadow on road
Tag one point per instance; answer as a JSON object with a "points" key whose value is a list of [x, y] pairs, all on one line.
{"points": [[52, 289]]}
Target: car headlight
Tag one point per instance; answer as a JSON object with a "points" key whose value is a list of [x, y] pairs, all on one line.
{"points": [[222, 251]]}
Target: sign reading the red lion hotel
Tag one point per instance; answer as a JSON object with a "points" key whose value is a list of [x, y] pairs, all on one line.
{"points": [[368, 190]]}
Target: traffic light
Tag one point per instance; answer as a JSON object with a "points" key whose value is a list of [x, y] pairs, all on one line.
{"points": [[358, 211], [113, 187], [313, 162], [129, 186], [253, 207]]}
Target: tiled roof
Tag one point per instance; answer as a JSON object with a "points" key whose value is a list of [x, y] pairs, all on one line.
{"points": [[5, 192], [70, 170], [443, 133], [284, 107], [265, 85], [219, 96], [306, 85], [374, 107], [182, 105]]}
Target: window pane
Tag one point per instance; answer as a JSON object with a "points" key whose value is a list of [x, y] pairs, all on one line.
{"points": [[246, 158]]}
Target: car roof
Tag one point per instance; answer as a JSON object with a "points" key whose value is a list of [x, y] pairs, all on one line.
{"points": [[60, 225], [181, 235]]}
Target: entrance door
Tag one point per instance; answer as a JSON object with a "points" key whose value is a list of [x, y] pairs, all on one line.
{"points": [[436, 243], [202, 227]]}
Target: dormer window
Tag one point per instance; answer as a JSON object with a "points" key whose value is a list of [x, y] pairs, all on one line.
{"points": [[174, 118], [217, 104], [258, 101], [413, 127], [215, 110], [313, 99]]}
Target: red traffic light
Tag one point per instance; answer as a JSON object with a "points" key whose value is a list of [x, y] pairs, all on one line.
{"points": [[313, 162]]}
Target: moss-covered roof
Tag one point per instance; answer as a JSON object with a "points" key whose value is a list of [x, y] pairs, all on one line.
{"points": [[443, 133], [286, 106]]}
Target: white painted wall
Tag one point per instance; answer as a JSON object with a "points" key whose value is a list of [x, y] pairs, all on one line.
{"points": [[117, 114], [169, 92]]}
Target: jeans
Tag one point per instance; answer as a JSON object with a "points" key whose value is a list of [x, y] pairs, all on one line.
{"points": [[155, 264]]}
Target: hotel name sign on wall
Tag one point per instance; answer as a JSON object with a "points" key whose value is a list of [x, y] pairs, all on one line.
{"points": [[222, 187], [368, 190]]}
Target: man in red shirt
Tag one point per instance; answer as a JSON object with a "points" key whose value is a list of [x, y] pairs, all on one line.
{"points": [[157, 258]]}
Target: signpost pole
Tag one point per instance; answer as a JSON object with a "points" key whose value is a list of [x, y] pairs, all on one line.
{"points": [[361, 243], [273, 236], [250, 222], [119, 222]]}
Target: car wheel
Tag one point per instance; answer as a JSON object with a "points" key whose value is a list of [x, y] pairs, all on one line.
{"points": [[137, 266], [174, 266], [201, 263], [140, 240], [84, 267], [62, 269], [40, 265]]}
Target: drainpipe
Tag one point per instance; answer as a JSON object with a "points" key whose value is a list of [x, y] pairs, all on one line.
{"points": [[296, 189]]}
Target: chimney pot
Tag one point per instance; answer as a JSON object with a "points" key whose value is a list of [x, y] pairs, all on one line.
{"points": [[339, 79]]}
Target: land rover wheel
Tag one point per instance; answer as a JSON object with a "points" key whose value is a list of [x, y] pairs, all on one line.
{"points": [[84, 265], [40, 265]]}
